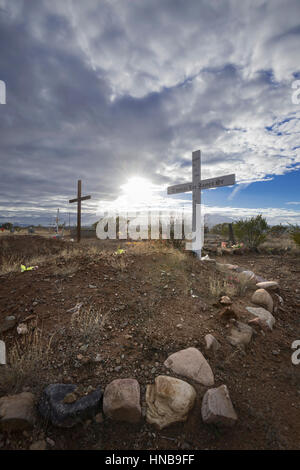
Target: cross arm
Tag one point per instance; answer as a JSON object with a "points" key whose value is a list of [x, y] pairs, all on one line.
{"points": [[84, 198]]}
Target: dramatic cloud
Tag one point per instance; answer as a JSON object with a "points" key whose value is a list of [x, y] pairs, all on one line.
{"points": [[107, 91]]}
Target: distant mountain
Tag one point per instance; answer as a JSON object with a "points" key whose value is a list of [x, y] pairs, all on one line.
{"points": [[213, 219]]}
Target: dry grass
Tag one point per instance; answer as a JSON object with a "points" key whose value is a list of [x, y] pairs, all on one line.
{"points": [[119, 262], [28, 355], [219, 287], [67, 270], [87, 322], [10, 264]]}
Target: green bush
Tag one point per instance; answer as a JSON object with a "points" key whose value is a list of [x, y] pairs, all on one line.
{"points": [[252, 232], [221, 229]]}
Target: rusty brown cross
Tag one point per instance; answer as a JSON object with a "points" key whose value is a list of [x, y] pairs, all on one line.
{"points": [[78, 199]]}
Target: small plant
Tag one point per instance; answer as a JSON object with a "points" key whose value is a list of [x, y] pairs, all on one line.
{"points": [[219, 287], [86, 322], [64, 271], [251, 231]]}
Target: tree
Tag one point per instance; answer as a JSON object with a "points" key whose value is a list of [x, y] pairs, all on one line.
{"points": [[7, 225], [251, 231]]}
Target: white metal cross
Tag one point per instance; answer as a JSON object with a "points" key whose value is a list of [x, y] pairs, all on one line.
{"points": [[196, 186]]}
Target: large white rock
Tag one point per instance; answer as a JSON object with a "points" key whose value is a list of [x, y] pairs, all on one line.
{"points": [[169, 401], [217, 407], [271, 285], [2, 353], [240, 334], [262, 297], [121, 400], [264, 316], [17, 412], [191, 363]]}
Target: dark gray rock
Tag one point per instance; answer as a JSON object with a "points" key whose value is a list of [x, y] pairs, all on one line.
{"points": [[8, 323], [66, 415]]}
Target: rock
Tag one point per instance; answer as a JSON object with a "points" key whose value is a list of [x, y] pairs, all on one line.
{"points": [[247, 277], [231, 267], [266, 318], [225, 300], [263, 298], [98, 358], [99, 418], [260, 279], [22, 329], [217, 407], [8, 323], [121, 400], [240, 334], [228, 313], [226, 267], [268, 285], [191, 363], [50, 441], [279, 299], [66, 415], [17, 412], [169, 401], [70, 398], [257, 323], [38, 445], [211, 342], [207, 259], [2, 353]]}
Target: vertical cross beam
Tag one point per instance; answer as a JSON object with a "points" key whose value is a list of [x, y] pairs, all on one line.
{"points": [[196, 167], [78, 210], [78, 200]]}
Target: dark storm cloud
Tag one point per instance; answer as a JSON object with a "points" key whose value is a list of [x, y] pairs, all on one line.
{"points": [[107, 90]]}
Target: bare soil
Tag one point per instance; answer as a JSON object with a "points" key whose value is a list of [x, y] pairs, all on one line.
{"points": [[132, 304]]}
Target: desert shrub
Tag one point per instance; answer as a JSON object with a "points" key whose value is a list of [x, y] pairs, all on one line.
{"points": [[277, 230], [252, 231], [221, 229], [295, 234]]}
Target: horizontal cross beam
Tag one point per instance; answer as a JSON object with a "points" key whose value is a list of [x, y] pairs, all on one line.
{"points": [[83, 198], [208, 183]]}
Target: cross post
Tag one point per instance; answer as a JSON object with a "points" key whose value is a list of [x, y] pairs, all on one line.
{"points": [[78, 200], [196, 186]]}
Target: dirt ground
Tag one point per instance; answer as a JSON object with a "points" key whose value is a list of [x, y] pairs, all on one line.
{"points": [[138, 307]]}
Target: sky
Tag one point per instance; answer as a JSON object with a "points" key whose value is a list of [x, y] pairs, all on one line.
{"points": [[118, 93]]}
